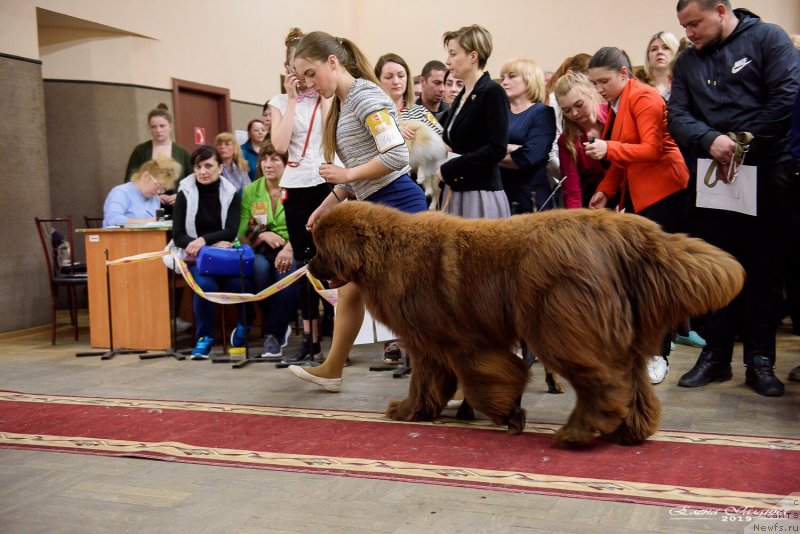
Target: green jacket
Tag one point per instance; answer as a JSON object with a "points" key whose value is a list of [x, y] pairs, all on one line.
{"points": [[256, 200], [144, 153]]}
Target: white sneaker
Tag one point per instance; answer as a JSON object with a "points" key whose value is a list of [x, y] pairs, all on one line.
{"points": [[181, 325], [657, 369]]}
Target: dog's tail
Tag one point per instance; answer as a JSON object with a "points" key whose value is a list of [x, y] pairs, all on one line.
{"points": [[685, 277]]}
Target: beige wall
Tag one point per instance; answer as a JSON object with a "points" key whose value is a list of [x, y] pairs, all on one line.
{"points": [[241, 47], [86, 146]]}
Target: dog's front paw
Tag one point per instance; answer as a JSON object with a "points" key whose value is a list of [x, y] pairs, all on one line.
{"points": [[574, 436], [400, 410], [516, 421]]}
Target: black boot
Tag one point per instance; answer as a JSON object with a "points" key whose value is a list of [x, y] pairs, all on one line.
{"points": [[306, 353], [761, 377], [705, 371]]}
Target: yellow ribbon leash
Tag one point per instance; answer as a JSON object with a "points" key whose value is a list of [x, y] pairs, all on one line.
{"points": [[331, 295]]}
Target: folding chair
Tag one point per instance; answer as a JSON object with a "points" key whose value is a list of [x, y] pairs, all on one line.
{"points": [[56, 237]]}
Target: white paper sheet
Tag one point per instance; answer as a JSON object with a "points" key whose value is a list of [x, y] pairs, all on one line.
{"points": [[740, 196], [372, 332]]}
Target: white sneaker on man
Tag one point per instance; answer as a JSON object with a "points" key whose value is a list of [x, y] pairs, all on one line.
{"points": [[181, 325], [657, 369]]}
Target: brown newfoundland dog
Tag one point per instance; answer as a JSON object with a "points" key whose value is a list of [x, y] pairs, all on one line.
{"points": [[591, 292]]}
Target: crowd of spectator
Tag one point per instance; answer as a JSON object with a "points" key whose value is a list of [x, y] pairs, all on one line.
{"points": [[703, 137]]}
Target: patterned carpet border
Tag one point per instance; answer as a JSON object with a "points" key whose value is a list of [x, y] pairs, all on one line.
{"points": [[674, 436], [496, 479]]}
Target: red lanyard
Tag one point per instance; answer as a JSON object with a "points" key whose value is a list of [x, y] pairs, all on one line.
{"points": [[308, 135]]}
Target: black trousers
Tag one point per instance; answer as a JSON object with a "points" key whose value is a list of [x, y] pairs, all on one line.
{"points": [[670, 213], [758, 243], [299, 204]]}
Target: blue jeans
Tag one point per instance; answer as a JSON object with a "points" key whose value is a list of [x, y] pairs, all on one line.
{"points": [[278, 310], [204, 309]]}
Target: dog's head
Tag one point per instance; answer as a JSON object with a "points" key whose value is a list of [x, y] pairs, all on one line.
{"points": [[348, 239]]}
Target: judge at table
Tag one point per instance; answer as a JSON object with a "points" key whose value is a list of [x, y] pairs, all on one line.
{"points": [[137, 201]]}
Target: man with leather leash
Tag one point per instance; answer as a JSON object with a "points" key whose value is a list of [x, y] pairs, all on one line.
{"points": [[732, 97]]}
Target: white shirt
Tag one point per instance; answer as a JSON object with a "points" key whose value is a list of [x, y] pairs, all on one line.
{"points": [[306, 174]]}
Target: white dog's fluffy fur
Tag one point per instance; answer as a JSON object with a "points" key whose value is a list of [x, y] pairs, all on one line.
{"points": [[427, 152]]}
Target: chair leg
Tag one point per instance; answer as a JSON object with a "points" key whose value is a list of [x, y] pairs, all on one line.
{"points": [[73, 309]]}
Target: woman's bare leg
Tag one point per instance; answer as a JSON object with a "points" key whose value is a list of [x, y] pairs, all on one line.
{"points": [[349, 316]]}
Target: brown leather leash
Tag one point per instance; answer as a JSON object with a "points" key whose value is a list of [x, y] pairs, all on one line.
{"points": [[714, 174]]}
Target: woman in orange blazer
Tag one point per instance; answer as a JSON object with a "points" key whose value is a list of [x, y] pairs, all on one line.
{"points": [[644, 166]]}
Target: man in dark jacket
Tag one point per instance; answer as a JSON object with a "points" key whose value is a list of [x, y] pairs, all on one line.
{"points": [[741, 75], [793, 269]]}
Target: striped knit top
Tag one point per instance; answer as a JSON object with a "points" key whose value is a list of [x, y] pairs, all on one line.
{"points": [[420, 113], [355, 144]]}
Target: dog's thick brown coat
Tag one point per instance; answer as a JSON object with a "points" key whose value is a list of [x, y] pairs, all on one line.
{"points": [[591, 292]]}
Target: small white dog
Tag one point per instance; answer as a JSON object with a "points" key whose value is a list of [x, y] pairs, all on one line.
{"points": [[427, 152]]}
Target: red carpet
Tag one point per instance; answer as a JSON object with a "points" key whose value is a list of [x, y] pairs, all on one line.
{"points": [[692, 469]]}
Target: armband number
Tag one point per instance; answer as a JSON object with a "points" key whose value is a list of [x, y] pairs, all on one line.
{"points": [[384, 130]]}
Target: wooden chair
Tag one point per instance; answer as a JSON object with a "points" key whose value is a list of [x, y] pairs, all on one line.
{"points": [[61, 273], [93, 222]]}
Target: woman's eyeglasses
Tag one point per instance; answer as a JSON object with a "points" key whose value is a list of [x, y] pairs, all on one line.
{"points": [[159, 188]]}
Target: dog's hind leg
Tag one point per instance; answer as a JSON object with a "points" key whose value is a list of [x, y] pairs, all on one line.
{"points": [[644, 414], [493, 384], [432, 384], [603, 400]]}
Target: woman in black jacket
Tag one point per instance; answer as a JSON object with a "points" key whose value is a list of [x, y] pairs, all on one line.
{"points": [[476, 130]]}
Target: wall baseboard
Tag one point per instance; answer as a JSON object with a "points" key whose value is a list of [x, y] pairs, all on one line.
{"points": [[27, 331]]}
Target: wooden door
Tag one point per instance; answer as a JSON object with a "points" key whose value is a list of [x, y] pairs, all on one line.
{"points": [[199, 109]]}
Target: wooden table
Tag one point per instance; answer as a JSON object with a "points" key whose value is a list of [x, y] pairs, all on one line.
{"points": [[139, 291]]}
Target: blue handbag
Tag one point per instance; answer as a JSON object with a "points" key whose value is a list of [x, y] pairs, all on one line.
{"points": [[226, 261]]}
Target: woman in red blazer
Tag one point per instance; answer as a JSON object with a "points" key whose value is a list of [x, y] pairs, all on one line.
{"points": [[644, 166]]}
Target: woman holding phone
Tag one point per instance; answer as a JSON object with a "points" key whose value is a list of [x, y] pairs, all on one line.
{"points": [[298, 120]]}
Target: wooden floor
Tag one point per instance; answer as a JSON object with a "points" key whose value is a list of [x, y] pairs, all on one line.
{"points": [[52, 492]]}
